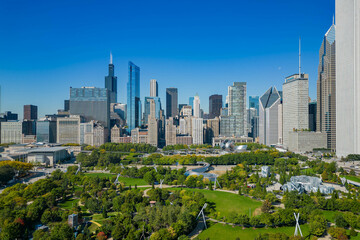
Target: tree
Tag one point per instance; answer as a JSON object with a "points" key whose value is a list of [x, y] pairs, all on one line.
{"points": [[271, 197], [266, 206], [318, 225], [340, 220], [150, 177], [6, 174]]}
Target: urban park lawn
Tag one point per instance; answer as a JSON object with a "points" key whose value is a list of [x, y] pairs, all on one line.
{"points": [[127, 181], [229, 202], [220, 231]]}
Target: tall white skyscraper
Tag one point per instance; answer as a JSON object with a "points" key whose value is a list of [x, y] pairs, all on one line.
{"points": [[197, 131], [269, 117], [347, 14], [153, 88], [295, 104], [196, 106]]}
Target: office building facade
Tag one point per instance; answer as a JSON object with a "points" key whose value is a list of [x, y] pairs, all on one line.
{"points": [[30, 112], [111, 82], [46, 131], [152, 125], [269, 117], [197, 106], [11, 132], [147, 107], [347, 77], [91, 103], [133, 97], [154, 91], [295, 105], [326, 89], [171, 102], [215, 105], [254, 102], [312, 116], [68, 129]]}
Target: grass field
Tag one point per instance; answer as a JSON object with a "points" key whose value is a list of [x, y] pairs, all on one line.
{"points": [[219, 231], [352, 178], [126, 180], [68, 204], [229, 202]]}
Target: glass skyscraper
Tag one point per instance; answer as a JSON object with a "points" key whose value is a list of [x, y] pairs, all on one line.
{"points": [[133, 97], [111, 82], [46, 131], [254, 102]]}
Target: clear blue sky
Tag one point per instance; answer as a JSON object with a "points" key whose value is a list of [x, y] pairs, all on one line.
{"points": [[197, 46]]}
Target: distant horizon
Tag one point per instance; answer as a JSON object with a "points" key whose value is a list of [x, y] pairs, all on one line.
{"points": [[43, 54]]}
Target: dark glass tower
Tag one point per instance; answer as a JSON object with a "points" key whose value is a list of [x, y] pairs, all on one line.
{"points": [[171, 102], [111, 82], [215, 105], [133, 97]]}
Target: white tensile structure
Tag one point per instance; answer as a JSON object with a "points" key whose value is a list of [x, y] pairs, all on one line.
{"points": [[203, 215], [297, 227]]}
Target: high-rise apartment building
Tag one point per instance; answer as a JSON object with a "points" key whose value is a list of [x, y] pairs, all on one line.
{"points": [[347, 77], [235, 122], [133, 97], [197, 106], [171, 102], [269, 117], [215, 105], [326, 89], [154, 88], [30, 112], [197, 131], [111, 82], [91, 103], [68, 129], [295, 104]]}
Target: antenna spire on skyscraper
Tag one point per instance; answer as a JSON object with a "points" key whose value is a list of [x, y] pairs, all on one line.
{"points": [[300, 56], [111, 60]]}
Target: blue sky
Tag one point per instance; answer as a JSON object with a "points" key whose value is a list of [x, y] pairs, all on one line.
{"points": [[197, 46]]}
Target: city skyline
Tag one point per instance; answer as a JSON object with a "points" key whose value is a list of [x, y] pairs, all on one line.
{"points": [[170, 65]]}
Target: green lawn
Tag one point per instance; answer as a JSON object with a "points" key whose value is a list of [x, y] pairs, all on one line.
{"points": [[220, 231], [126, 180], [329, 215], [352, 178], [229, 202], [68, 204]]}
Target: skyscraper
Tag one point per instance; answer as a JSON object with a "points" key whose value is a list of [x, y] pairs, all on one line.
{"points": [[347, 77], [91, 103], [235, 123], [254, 102], [153, 124], [147, 109], [326, 88], [312, 116], [197, 131], [295, 104], [111, 82], [153, 88], [30, 112], [171, 102], [133, 98], [191, 103], [68, 129], [215, 105], [197, 106], [268, 117]]}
